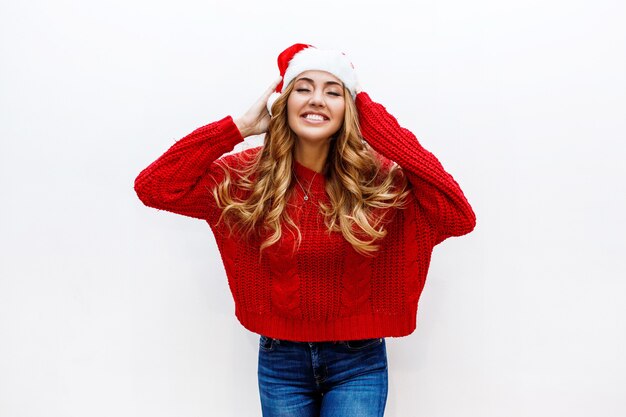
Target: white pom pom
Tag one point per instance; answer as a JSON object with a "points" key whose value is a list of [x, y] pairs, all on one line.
{"points": [[270, 101]]}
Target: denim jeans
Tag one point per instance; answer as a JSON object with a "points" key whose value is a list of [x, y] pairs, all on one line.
{"points": [[326, 379]]}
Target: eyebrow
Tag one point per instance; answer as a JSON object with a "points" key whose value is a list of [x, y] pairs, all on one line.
{"points": [[326, 83]]}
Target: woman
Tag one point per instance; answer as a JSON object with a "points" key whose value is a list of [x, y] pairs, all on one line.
{"points": [[325, 231]]}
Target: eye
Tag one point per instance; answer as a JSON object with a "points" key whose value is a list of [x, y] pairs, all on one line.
{"points": [[302, 89], [334, 94]]}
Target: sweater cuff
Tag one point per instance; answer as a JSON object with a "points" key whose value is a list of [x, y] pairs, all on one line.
{"points": [[229, 130], [362, 98], [224, 135], [231, 125]]}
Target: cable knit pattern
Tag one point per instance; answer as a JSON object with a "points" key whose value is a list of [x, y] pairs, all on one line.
{"points": [[356, 283], [325, 290], [285, 279]]}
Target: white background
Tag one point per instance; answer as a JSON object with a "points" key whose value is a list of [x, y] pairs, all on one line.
{"points": [[110, 308]]}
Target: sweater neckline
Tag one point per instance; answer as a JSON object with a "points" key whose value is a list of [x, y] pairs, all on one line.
{"points": [[306, 175]]}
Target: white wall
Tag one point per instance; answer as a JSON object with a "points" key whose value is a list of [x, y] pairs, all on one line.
{"points": [[109, 308]]}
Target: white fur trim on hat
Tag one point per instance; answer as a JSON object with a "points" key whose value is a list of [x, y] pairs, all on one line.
{"points": [[270, 101], [331, 61]]}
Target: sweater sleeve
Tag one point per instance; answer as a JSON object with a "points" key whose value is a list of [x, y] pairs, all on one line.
{"points": [[436, 192], [179, 181]]}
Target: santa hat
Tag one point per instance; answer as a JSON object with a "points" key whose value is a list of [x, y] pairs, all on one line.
{"points": [[301, 57]]}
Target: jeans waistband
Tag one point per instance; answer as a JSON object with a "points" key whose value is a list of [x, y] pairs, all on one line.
{"points": [[279, 341]]}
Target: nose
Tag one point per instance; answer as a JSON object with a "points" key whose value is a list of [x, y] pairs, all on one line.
{"points": [[317, 98]]}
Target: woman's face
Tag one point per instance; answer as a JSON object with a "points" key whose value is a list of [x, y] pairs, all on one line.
{"points": [[315, 107]]}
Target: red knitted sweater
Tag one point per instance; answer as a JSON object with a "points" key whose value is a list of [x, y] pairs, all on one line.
{"points": [[326, 291]]}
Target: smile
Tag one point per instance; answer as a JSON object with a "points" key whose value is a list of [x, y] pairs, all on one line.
{"points": [[314, 118]]}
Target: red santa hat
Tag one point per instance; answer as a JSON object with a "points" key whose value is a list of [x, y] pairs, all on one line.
{"points": [[301, 57]]}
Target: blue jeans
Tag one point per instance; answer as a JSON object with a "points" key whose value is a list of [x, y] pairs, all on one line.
{"points": [[325, 379]]}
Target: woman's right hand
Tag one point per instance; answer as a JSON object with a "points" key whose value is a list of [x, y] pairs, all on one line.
{"points": [[257, 119]]}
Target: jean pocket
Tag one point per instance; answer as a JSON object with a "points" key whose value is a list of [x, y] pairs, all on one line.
{"points": [[266, 343], [354, 345]]}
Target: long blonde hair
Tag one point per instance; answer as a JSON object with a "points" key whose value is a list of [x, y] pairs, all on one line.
{"points": [[361, 193]]}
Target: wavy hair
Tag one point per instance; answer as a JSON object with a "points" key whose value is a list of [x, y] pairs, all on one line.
{"points": [[362, 193]]}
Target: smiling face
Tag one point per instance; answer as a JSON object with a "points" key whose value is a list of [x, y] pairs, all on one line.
{"points": [[315, 107]]}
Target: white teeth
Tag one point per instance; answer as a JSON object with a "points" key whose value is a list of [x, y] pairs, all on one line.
{"points": [[314, 117]]}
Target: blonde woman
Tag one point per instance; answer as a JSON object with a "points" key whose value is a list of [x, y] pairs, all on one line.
{"points": [[325, 231]]}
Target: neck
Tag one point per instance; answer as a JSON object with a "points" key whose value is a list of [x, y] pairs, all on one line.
{"points": [[312, 156]]}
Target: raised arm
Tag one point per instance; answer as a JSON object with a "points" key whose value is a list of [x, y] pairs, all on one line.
{"points": [[178, 181], [181, 179], [435, 190]]}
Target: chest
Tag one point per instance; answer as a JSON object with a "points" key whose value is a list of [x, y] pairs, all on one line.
{"points": [[316, 243]]}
